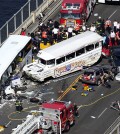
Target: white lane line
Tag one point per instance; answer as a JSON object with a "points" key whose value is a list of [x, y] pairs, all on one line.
{"points": [[112, 14], [102, 112], [93, 117], [79, 107]]}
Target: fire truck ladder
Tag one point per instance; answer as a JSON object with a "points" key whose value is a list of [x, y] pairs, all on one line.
{"points": [[28, 126]]}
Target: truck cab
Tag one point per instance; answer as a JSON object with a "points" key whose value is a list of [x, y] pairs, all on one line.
{"points": [[62, 112]]}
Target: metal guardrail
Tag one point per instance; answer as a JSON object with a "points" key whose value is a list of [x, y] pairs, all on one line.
{"points": [[23, 18], [113, 127]]}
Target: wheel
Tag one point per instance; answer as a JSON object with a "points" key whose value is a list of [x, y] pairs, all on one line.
{"points": [[67, 127], [98, 82]]}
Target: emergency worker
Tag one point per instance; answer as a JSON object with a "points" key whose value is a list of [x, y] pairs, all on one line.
{"points": [[76, 110], [108, 25], [18, 105], [44, 37], [64, 35]]}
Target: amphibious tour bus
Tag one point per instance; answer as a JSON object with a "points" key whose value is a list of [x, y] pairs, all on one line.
{"points": [[66, 57]]}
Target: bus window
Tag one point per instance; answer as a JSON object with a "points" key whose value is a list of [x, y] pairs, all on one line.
{"points": [[60, 60], [27, 48], [70, 56], [79, 52], [43, 61], [51, 62], [97, 45], [90, 47]]}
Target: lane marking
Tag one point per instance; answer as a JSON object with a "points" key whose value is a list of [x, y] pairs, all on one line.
{"points": [[92, 103], [69, 88], [102, 113], [112, 13], [7, 124], [93, 117]]}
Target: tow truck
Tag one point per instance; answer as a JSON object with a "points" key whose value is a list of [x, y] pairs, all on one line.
{"points": [[75, 12], [53, 117]]}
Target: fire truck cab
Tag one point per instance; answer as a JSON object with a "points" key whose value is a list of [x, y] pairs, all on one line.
{"points": [[60, 114], [53, 117], [75, 12]]}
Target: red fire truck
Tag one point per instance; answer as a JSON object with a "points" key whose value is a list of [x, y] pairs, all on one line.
{"points": [[52, 117], [75, 12]]}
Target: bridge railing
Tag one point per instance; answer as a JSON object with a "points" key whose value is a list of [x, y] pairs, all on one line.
{"points": [[114, 127], [24, 14]]}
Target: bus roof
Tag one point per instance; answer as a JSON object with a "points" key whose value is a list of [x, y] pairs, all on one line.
{"points": [[10, 49], [70, 45]]}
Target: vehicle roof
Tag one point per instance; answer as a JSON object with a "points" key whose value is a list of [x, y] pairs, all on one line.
{"points": [[9, 50], [70, 45], [73, 1], [54, 105], [93, 69]]}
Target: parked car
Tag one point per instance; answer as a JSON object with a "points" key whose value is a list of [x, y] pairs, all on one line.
{"points": [[94, 74]]}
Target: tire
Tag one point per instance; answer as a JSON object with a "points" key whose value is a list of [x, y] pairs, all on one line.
{"points": [[67, 127], [98, 82]]}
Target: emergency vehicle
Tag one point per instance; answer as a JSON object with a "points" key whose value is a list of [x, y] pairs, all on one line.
{"points": [[52, 117], [75, 12]]}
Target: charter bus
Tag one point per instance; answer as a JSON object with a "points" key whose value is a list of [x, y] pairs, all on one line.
{"points": [[66, 57], [15, 51]]}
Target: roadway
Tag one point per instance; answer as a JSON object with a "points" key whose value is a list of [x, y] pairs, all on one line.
{"points": [[94, 109]]}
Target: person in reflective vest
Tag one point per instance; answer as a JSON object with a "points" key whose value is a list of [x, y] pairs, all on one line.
{"points": [[44, 37], [64, 35], [18, 105]]}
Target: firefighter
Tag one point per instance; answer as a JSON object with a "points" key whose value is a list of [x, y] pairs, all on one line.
{"points": [[64, 35], [18, 105], [76, 110]]}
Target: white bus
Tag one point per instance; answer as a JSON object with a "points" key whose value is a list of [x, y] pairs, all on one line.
{"points": [[109, 1], [15, 51], [66, 57]]}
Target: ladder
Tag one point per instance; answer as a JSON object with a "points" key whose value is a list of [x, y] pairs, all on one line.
{"points": [[28, 126]]}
